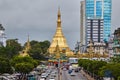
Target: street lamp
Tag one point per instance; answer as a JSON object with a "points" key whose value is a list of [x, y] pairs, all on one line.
{"points": [[57, 51]]}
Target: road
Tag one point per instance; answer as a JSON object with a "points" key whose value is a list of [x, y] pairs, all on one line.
{"points": [[66, 76], [78, 76]]}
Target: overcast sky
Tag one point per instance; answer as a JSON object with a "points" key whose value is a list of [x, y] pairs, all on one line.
{"points": [[38, 19]]}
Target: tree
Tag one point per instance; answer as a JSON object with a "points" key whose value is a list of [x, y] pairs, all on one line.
{"points": [[44, 47], [12, 48], [39, 49], [114, 68], [115, 59], [23, 64], [14, 43], [5, 66], [24, 67]]}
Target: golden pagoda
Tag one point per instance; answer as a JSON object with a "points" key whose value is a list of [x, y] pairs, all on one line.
{"points": [[59, 39], [26, 49]]}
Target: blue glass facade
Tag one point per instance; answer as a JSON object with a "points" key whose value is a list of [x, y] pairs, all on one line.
{"points": [[107, 18], [100, 9], [90, 8]]}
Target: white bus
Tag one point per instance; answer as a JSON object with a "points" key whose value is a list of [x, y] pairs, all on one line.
{"points": [[73, 63]]}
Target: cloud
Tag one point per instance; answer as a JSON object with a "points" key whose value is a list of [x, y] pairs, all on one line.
{"points": [[38, 19]]}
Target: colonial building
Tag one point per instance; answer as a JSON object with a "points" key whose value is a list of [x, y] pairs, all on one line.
{"points": [[96, 50]]}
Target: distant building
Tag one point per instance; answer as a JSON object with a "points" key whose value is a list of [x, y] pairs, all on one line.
{"points": [[2, 36], [82, 43], [97, 47], [116, 43], [94, 30], [110, 45]]}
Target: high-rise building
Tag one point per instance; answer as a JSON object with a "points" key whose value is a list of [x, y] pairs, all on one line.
{"points": [[82, 27], [2, 36], [99, 13], [82, 23], [94, 30]]}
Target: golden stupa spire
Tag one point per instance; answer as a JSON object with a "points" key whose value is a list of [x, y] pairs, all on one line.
{"points": [[26, 49], [28, 44], [59, 39], [59, 16], [59, 27]]}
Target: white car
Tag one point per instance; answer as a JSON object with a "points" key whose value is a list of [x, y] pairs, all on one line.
{"points": [[42, 78], [4, 78], [44, 75], [73, 73], [52, 78]]}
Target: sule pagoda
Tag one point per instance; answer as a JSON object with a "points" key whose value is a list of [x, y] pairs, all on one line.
{"points": [[59, 40]]}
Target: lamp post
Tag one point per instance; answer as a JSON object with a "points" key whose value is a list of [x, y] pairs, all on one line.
{"points": [[57, 51], [59, 69]]}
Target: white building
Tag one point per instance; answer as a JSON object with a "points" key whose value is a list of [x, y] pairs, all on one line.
{"points": [[110, 45], [97, 47], [2, 36]]}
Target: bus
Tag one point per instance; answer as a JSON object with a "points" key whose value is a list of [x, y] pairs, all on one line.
{"points": [[73, 63]]}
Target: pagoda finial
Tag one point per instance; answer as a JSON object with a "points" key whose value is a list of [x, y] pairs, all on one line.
{"points": [[59, 18], [28, 43], [59, 11], [28, 37]]}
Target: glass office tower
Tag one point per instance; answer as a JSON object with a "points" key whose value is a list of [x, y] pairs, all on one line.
{"points": [[107, 18], [99, 9]]}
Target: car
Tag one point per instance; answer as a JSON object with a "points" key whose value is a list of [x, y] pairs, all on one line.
{"points": [[73, 74], [53, 73], [4, 78], [64, 69], [76, 70], [44, 75], [52, 78], [42, 78], [70, 71]]}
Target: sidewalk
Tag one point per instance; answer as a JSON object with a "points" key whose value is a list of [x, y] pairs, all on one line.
{"points": [[86, 75]]}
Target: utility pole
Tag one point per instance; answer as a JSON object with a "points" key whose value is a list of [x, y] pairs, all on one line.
{"points": [[57, 52]]}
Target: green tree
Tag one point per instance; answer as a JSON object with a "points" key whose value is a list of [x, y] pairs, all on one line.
{"points": [[39, 49], [91, 65], [24, 67], [44, 47], [114, 68], [23, 64], [5, 66], [115, 59], [12, 48], [14, 43]]}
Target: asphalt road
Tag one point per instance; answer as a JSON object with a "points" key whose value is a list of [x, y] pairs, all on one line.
{"points": [[78, 76], [66, 76]]}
